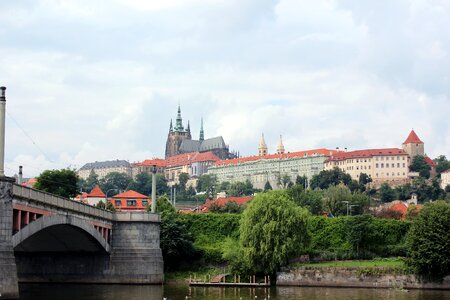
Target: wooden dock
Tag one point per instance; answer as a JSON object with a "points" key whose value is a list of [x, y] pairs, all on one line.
{"points": [[220, 281]]}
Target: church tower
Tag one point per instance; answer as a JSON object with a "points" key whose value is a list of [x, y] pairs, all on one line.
{"points": [[413, 145], [202, 133], [280, 146], [262, 149], [176, 135]]}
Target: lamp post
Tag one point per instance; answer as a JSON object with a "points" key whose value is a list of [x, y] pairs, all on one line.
{"points": [[153, 189], [2, 130], [346, 202]]}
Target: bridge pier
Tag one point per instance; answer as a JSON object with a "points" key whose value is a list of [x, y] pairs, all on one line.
{"points": [[9, 288]]}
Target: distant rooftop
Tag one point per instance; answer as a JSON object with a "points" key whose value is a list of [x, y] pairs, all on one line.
{"points": [[106, 164]]}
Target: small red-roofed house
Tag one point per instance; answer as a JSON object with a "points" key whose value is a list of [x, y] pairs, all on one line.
{"points": [[221, 202], [82, 197], [95, 196], [130, 200]]}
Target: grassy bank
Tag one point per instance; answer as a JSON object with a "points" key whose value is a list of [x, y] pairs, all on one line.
{"points": [[200, 272], [375, 263]]}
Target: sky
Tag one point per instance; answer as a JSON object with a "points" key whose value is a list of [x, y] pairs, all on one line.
{"points": [[95, 80]]}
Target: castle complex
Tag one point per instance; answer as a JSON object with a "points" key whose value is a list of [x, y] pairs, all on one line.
{"points": [[179, 141]]}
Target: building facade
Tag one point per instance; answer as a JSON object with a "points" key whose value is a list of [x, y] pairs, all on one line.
{"points": [[270, 168], [391, 164], [130, 200], [382, 165], [194, 164], [445, 179], [179, 141], [103, 168], [147, 165]]}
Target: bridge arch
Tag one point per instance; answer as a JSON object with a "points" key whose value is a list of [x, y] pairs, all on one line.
{"points": [[66, 227]]}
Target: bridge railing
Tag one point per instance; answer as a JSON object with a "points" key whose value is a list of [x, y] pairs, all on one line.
{"points": [[48, 199]]}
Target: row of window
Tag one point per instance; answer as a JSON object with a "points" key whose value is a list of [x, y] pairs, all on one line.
{"points": [[382, 165], [387, 174], [130, 202]]}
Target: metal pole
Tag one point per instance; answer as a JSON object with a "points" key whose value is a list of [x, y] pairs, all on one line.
{"points": [[154, 190], [2, 130], [174, 197]]}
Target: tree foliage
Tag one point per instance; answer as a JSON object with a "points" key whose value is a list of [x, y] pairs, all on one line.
{"points": [[336, 199], [238, 189], [207, 183], [442, 164], [59, 182], [108, 205], [89, 183], [327, 178], [387, 194], [114, 181], [267, 186], [272, 229], [429, 241], [309, 199], [419, 164]]}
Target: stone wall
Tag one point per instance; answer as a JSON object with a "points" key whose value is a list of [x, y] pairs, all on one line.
{"points": [[353, 277]]}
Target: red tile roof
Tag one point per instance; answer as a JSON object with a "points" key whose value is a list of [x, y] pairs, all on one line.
{"points": [[223, 201], [130, 194], [96, 193], [189, 158], [159, 162], [322, 151], [368, 153], [412, 139], [430, 162], [400, 207]]}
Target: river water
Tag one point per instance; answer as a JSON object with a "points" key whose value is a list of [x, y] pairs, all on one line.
{"points": [[182, 291]]}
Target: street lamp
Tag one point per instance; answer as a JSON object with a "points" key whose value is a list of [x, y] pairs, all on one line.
{"points": [[346, 202], [153, 170]]}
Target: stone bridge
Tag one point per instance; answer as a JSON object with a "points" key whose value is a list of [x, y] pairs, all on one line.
{"points": [[45, 238]]}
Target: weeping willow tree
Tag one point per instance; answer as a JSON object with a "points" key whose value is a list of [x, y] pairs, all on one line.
{"points": [[272, 230]]}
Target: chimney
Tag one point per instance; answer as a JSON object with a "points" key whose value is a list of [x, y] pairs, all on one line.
{"points": [[2, 130], [20, 179]]}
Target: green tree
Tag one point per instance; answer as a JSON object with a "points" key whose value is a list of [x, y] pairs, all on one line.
{"points": [[301, 180], [206, 183], [309, 199], [90, 182], [224, 186], [442, 164], [115, 181], [403, 191], [360, 234], [267, 186], [429, 241], [364, 179], [419, 164], [387, 194], [272, 230], [108, 205], [59, 182], [141, 184], [327, 178], [182, 181], [335, 198], [284, 181], [238, 189]]}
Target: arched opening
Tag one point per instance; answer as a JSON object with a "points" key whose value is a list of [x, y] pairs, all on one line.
{"points": [[60, 249]]}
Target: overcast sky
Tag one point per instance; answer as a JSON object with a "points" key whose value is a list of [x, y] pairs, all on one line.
{"points": [[99, 80]]}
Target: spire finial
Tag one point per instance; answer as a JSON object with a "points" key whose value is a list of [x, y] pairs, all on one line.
{"points": [[280, 147], [262, 149], [202, 133], [179, 121]]}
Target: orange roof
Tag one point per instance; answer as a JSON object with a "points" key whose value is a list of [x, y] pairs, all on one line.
{"points": [[189, 158], [130, 194], [367, 153], [412, 139], [430, 162], [96, 193], [223, 201], [400, 207], [322, 151], [159, 162]]}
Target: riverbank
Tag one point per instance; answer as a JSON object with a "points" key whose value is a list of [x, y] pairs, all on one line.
{"points": [[356, 277]]}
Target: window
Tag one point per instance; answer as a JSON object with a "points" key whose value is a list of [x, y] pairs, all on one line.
{"points": [[376, 165], [382, 165], [144, 202], [398, 165], [376, 174], [393, 165], [393, 174], [403, 165], [118, 202], [131, 202], [398, 157]]}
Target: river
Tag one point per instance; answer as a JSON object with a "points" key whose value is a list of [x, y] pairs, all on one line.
{"points": [[182, 291]]}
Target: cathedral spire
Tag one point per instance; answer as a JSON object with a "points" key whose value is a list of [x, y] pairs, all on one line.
{"points": [[179, 122], [188, 130], [171, 126], [262, 149], [280, 147], [202, 133]]}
